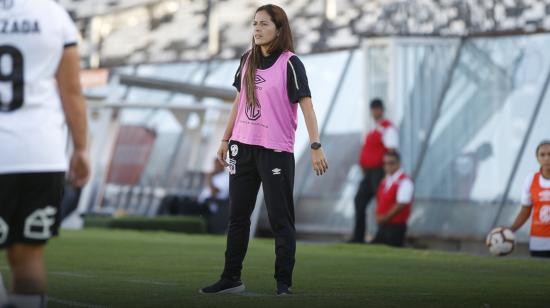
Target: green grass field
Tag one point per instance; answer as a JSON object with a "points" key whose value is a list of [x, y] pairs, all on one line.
{"points": [[106, 268]]}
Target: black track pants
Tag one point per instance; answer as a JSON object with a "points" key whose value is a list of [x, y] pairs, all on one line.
{"points": [[250, 166], [366, 191]]}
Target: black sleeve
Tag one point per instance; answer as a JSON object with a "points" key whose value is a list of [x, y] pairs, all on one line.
{"points": [[297, 84], [237, 80]]}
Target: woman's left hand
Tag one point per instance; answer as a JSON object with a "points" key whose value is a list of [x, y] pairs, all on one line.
{"points": [[320, 164]]}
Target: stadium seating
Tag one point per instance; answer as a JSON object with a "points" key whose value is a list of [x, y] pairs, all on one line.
{"points": [[174, 30]]}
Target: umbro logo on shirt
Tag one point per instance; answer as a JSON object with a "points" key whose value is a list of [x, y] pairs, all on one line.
{"points": [[259, 79], [276, 171]]}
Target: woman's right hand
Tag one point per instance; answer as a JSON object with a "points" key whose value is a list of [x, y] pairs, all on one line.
{"points": [[222, 153], [79, 170]]}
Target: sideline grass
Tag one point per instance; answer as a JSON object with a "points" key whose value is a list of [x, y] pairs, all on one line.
{"points": [[112, 268]]}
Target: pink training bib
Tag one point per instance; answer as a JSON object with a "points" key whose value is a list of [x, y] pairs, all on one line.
{"points": [[273, 123]]}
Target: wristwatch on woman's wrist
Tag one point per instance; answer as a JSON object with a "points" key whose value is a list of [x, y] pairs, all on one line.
{"points": [[315, 146]]}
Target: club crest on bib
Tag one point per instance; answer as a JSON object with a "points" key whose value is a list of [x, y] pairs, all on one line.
{"points": [[254, 112], [234, 150]]}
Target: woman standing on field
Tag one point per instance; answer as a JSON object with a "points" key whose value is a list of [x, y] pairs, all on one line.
{"points": [[260, 138], [535, 197]]}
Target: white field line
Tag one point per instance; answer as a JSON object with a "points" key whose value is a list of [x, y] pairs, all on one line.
{"points": [[89, 276], [72, 303]]}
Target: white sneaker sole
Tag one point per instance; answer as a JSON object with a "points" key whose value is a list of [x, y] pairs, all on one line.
{"points": [[238, 289]]}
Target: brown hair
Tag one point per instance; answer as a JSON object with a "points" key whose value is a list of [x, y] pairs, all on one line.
{"points": [[282, 42], [394, 154], [542, 143]]}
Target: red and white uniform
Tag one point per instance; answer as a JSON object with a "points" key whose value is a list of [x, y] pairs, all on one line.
{"points": [[536, 193], [394, 189], [377, 143]]}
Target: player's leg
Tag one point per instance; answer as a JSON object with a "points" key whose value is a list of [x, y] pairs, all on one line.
{"points": [[9, 188], [243, 190], [376, 176], [3, 292], [277, 174], [362, 198], [244, 183], [28, 275], [36, 220]]}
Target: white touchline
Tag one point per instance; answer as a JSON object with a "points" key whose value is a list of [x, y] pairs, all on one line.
{"points": [[89, 276], [162, 283], [72, 303], [252, 294], [70, 274]]}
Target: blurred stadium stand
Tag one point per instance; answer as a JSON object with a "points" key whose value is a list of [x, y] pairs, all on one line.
{"points": [[137, 31]]}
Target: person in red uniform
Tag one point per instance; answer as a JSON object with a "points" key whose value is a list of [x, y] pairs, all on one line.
{"points": [[383, 138], [535, 200], [393, 203]]}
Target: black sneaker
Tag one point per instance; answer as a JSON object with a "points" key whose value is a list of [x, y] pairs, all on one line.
{"points": [[283, 289], [224, 285]]}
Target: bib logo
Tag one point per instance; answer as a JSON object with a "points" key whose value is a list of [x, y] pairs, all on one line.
{"points": [[255, 112], [259, 79], [544, 214]]}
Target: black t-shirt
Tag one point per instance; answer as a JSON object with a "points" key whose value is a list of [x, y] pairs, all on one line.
{"points": [[297, 85]]}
